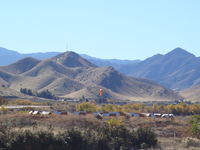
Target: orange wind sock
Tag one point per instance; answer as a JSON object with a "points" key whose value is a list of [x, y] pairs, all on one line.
{"points": [[100, 92]]}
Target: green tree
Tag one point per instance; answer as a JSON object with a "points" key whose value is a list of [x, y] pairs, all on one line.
{"points": [[46, 94]]}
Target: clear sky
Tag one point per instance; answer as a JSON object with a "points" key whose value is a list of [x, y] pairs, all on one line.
{"points": [[124, 29]]}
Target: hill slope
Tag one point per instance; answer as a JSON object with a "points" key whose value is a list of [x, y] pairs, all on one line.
{"points": [[191, 94], [70, 75], [71, 59], [177, 69]]}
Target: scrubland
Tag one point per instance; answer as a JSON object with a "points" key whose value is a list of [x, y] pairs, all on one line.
{"points": [[167, 134]]}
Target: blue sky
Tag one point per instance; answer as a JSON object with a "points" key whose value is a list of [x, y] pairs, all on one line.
{"points": [[124, 29]]}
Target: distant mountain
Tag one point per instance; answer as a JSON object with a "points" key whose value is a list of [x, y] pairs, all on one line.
{"points": [[9, 56], [21, 66], [70, 75], [177, 69], [120, 65]]}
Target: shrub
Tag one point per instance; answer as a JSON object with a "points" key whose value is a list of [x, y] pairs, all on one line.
{"points": [[41, 140], [3, 100], [145, 137], [195, 126], [86, 106], [46, 94], [26, 91], [191, 142], [114, 122], [104, 138], [109, 108], [2, 141], [3, 109], [119, 137]]}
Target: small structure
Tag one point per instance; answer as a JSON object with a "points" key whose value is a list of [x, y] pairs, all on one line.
{"points": [[122, 113], [96, 113], [64, 113], [45, 113], [134, 114], [171, 115], [57, 112], [39, 112], [60, 112], [30, 112], [142, 115], [99, 116], [81, 113], [157, 115], [106, 114], [149, 115], [114, 114], [35, 113], [167, 116]]}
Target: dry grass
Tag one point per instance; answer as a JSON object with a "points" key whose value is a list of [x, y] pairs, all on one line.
{"points": [[178, 127], [54, 122], [172, 134], [179, 143]]}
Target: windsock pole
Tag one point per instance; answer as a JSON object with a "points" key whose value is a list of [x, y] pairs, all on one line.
{"points": [[101, 95]]}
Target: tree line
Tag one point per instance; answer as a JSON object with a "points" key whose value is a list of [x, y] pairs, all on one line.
{"points": [[178, 109], [43, 94]]}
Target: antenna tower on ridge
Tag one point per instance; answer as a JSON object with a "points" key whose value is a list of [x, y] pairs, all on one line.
{"points": [[67, 47]]}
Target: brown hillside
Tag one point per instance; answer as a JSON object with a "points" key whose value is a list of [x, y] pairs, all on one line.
{"points": [[191, 94], [64, 86], [6, 76], [70, 75], [109, 78], [47, 66], [4, 91], [71, 59]]}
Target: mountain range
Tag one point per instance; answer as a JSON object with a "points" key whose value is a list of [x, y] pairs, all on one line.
{"points": [[69, 75], [9, 56], [177, 69], [121, 65], [15, 56]]}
